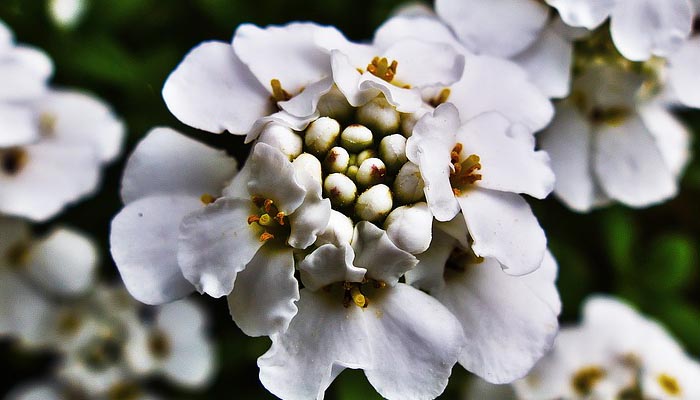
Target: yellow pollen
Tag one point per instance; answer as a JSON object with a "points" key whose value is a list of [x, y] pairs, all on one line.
{"points": [[265, 220], [586, 378], [207, 199], [669, 384], [357, 297], [47, 123], [279, 94], [441, 97], [381, 68], [265, 236]]}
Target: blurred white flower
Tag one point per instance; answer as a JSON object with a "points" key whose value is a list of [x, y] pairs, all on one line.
{"points": [[67, 13]]}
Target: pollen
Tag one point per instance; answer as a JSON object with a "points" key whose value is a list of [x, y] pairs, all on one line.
{"points": [[585, 379], [669, 384], [279, 94], [381, 68], [207, 199]]}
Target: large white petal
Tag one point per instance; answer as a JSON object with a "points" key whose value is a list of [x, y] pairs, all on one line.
{"points": [[507, 156], [430, 147], [405, 99], [262, 302], [629, 165], [584, 13], [287, 53], [168, 162], [672, 137], [23, 73], [415, 342], [144, 244], [216, 243], [421, 63], [213, 90], [64, 263], [17, 125], [312, 216], [428, 274], [419, 27], [324, 338], [24, 312], [644, 28], [305, 103], [493, 84], [273, 177], [79, 118], [330, 264], [507, 324], [682, 72], [548, 63], [568, 142], [504, 227], [375, 252], [54, 175], [499, 27]]}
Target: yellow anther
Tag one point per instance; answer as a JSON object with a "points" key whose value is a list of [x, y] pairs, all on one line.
{"points": [[669, 384], [265, 220], [207, 199], [585, 379], [47, 124], [279, 94], [253, 218], [280, 218], [381, 68], [265, 236], [463, 172], [268, 205], [357, 297], [441, 97]]}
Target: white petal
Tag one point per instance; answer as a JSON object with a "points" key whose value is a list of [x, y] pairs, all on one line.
{"points": [[330, 264], [672, 137], [312, 216], [507, 155], [144, 244], [273, 177], [583, 13], [303, 361], [568, 143], [682, 72], [406, 100], [410, 227], [507, 324], [23, 73], [428, 274], [262, 302], [23, 311], [504, 227], [53, 176], [64, 263], [416, 27], [629, 165], [213, 90], [548, 63], [283, 118], [359, 54], [430, 146], [216, 243], [17, 125], [492, 84], [306, 102], [423, 64], [375, 252], [286, 53], [644, 28], [410, 333], [499, 27], [168, 162], [79, 118]]}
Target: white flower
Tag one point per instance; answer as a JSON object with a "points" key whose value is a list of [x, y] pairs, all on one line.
{"points": [[639, 28], [32, 271], [614, 351], [509, 322], [353, 313], [479, 168], [681, 66], [243, 244], [168, 177], [611, 141]]}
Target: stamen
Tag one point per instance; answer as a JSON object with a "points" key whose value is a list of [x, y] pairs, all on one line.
{"points": [[586, 378], [669, 384], [380, 68], [357, 297], [207, 199], [463, 172], [441, 97], [253, 218], [268, 205], [265, 236], [280, 218], [265, 220], [279, 94]]}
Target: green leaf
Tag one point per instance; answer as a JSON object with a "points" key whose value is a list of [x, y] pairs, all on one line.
{"points": [[671, 262], [620, 237]]}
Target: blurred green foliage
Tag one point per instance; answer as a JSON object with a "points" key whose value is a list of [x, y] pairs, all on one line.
{"points": [[123, 50]]}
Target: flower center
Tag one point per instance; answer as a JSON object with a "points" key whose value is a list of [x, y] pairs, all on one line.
{"points": [[381, 68], [460, 259], [463, 172], [585, 379], [103, 352], [669, 384], [12, 160], [279, 94], [159, 345], [275, 224], [352, 292]]}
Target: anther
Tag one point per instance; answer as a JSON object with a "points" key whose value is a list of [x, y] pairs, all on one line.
{"points": [[440, 98], [265, 220], [381, 68], [268, 205], [357, 297], [280, 218], [265, 236], [207, 199], [279, 94], [253, 218]]}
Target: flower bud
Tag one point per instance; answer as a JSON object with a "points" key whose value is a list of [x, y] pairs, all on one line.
{"points": [[365, 154], [282, 138], [392, 149], [371, 172], [356, 138], [340, 189], [337, 160], [321, 135], [339, 230], [333, 104], [379, 116], [408, 121], [308, 163], [410, 227], [409, 185], [374, 204]]}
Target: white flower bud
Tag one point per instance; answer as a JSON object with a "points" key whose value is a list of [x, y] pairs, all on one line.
{"points": [[409, 185], [339, 230], [371, 172], [408, 121], [333, 104], [380, 116], [352, 172], [374, 204], [282, 138], [340, 189], [337, 160], [410, 227], [365, 154], [392, 149], [309, 164], [356, 138], [321, 135]]}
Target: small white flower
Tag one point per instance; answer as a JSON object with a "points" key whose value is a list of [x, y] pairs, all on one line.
{"points": [[640, 28], [368, 321], [479, 168]]}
